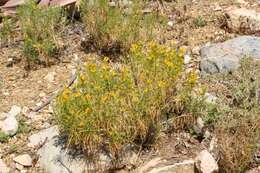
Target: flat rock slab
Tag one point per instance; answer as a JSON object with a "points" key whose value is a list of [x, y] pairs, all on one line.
{"points": [[159, 165], [226, 56], [54, 158]]}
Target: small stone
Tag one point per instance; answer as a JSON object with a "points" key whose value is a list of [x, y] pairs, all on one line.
{"points": [[6, 93], [23, 171], [3, 167], [187, 59], [205, 163], [198, 127], [210, 98], [196, 50], [170, 23], [24, 160], [112, 4], [19, 166], [42, 94], [213, 144], [9, 126], [50, 77], [207, 134], [217, 8], [15, 110]]}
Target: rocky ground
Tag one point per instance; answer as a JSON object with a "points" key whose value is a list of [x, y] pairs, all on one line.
{"points": [[196, 24]]}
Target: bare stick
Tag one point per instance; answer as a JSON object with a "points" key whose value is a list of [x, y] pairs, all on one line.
{"points": [[37, 109]]}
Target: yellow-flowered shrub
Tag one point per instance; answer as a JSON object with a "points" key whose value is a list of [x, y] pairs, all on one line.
{"points": [[111, 108]]}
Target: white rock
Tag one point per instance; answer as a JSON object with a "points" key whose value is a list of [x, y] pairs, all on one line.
{"points": [[15, 110], [53, 158], [3, 167], [19, 166], [213, 144], [9, 126], [112, 4], [205, 163], [24, 160], [42, 94], [40, 137], [198, 127], [170, 23], [196, 50], [50, 77], [187, 59], [209, 98]]}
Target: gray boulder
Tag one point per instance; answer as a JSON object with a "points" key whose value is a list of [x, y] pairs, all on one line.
{"points": [[225, 57], [54, 158]]}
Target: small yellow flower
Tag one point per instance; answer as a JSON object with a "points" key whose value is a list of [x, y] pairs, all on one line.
{"points": [[182, 51], [149, 81], [92, 67], [106, 59], [161, 84], [113, 73], [104, 98], [87, 110], [168, 63], [112, 93], [77, 94], [134, 47], [88, 97]]}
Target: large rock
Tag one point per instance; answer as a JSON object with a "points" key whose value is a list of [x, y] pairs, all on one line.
{"points": [[243, 20], [226, 56], [159, 165], [54, 158], [42, 136], [205, 163]]}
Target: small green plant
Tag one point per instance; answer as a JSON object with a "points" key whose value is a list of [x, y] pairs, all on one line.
{"points": [[6, 30], [110, 108], [39, 29], [3, 137], [13, 148], [200, 22], [114, 28], [23, 127], [238, 126]]}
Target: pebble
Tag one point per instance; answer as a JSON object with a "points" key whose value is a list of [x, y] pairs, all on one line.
{"points": [[15, 110], [50, 77], [205, 163], [9, 126], [24, 160], [187, 59]]}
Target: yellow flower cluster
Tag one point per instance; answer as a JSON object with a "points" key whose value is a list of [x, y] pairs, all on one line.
{"points": [[108, 103]]}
